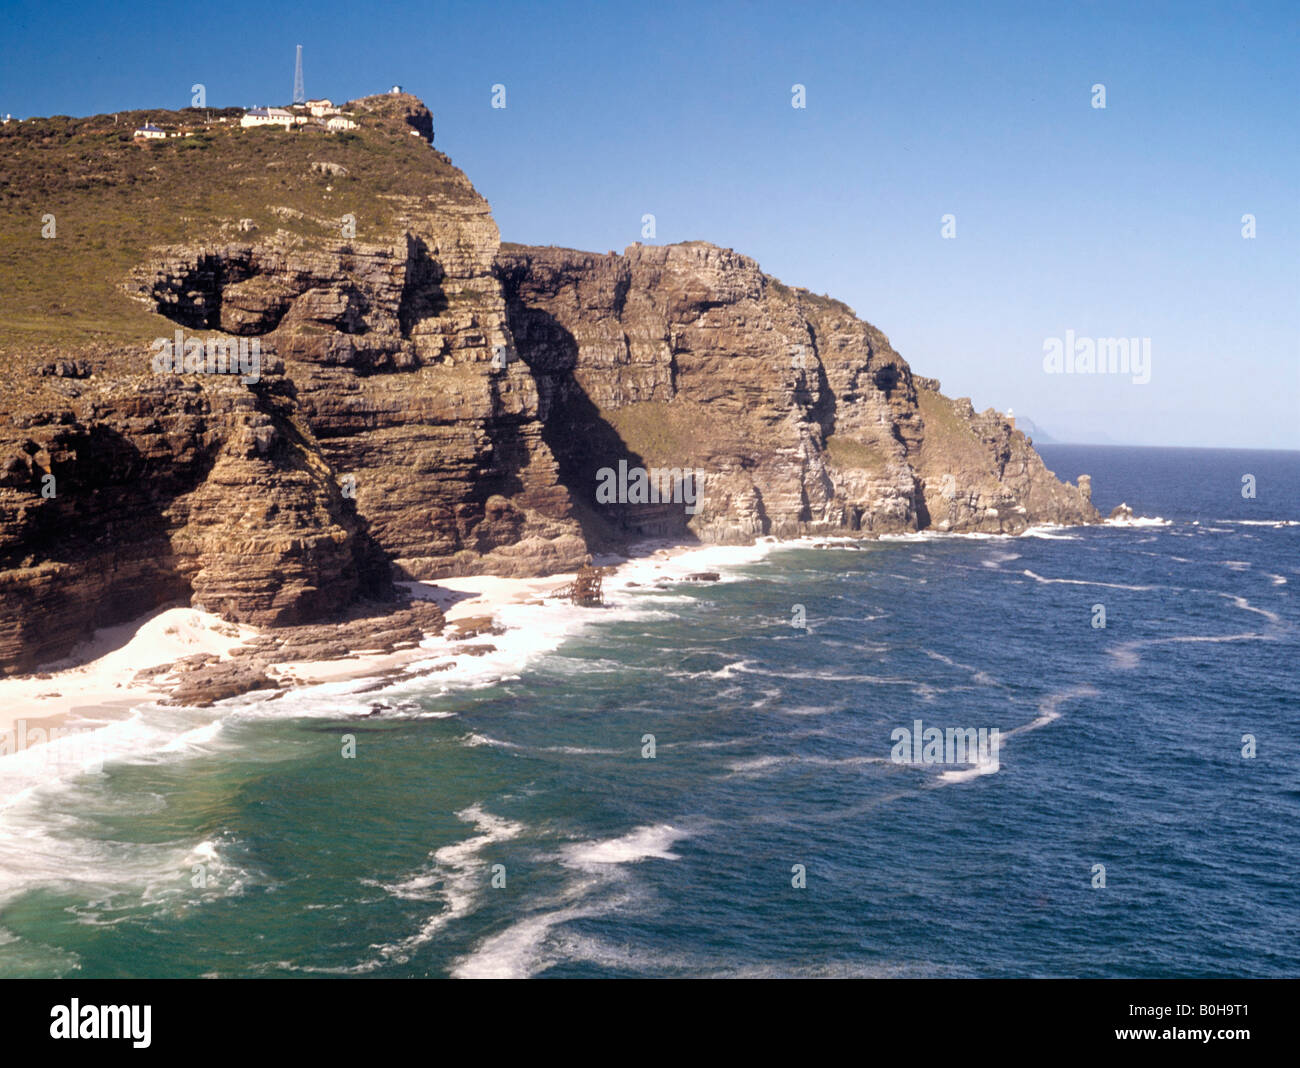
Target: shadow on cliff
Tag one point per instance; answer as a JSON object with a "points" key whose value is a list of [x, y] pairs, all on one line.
{"points": [[581, 439], [422, 294], [104, 541], [372, 566]]}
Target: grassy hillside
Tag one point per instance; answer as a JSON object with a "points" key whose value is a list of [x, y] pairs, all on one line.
{"points": [[114, 198]]}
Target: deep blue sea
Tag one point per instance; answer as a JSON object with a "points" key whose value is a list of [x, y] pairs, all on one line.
{"points": [[1121, 747]]}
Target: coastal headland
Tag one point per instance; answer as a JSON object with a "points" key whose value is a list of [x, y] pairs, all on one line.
{"points": [[430, 408]]}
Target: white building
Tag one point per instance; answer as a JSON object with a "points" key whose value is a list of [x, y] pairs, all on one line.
{"points": [[271, 117], [150, 131], [322, 107], [337, 123]]}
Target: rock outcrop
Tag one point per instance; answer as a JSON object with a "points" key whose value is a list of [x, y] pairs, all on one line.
{"points": [[428, 402], [800, 418]]}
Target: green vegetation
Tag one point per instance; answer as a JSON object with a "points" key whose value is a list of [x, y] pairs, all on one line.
{"points": [[114, 199], [678, 433], [850, 452], [941, 417], [950, 441]]}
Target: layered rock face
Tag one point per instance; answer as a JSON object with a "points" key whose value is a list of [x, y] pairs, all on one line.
{"points": [[399, 359], [799, 417], [429, 403], [137, 494], [979, 474], [388, 433]]}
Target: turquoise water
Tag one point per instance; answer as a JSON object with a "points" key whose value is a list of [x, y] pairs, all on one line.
{"points": [[1121, 747]]}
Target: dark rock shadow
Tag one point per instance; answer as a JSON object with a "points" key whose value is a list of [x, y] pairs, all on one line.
{"points": [[581, 439], [422, 294], [107, 533]]}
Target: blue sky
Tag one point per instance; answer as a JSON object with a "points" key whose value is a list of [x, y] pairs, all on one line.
{"points": [[1122, 222]]}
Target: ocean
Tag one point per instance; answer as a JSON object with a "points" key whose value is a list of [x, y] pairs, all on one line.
{"points": [[687, 784]]}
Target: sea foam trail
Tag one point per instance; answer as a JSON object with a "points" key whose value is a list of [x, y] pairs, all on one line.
{"points": [[457, 877], [983, 678], [757, 766], [998, 559], [1049, 711], [640, 844], [1276, 523], [598, 887], [1138, 521], [1246, 606], [1127, 657], [1086, 582]]}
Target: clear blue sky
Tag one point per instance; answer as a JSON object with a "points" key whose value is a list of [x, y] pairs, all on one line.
{"points": [[1123, 222]]}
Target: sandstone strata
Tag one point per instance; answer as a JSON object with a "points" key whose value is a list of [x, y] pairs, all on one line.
{"points": [[430, 403], [801, 417]]}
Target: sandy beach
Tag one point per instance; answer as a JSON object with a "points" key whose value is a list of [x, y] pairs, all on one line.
{"points": [[125, 666]]}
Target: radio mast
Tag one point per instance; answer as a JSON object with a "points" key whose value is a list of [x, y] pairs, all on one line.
{"points": [[298, 95]]}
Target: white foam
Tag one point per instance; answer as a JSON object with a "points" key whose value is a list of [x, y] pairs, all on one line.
{"points": [[998, 559], [517, 952], [579, 750], [1276, 523], [1138, 521], [983, 767], [1049, 711], [640, 844], [942, 535], [978, 675], [1127, 657], [639, 574], [457, 876], [1246, 606], [1085, 582], [474, 739], [758, 766], [48, 842], [1049, 533], [521, 949]]}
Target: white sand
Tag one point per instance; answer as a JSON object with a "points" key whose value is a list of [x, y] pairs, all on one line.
{"points": [[97, 682]]}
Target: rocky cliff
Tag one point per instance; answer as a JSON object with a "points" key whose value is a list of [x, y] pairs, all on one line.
{"points": [[425, 401], [799, 417]]}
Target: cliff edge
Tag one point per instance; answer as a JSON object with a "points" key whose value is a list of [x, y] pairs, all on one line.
{"points": [[270, 371], [799, 417]]}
